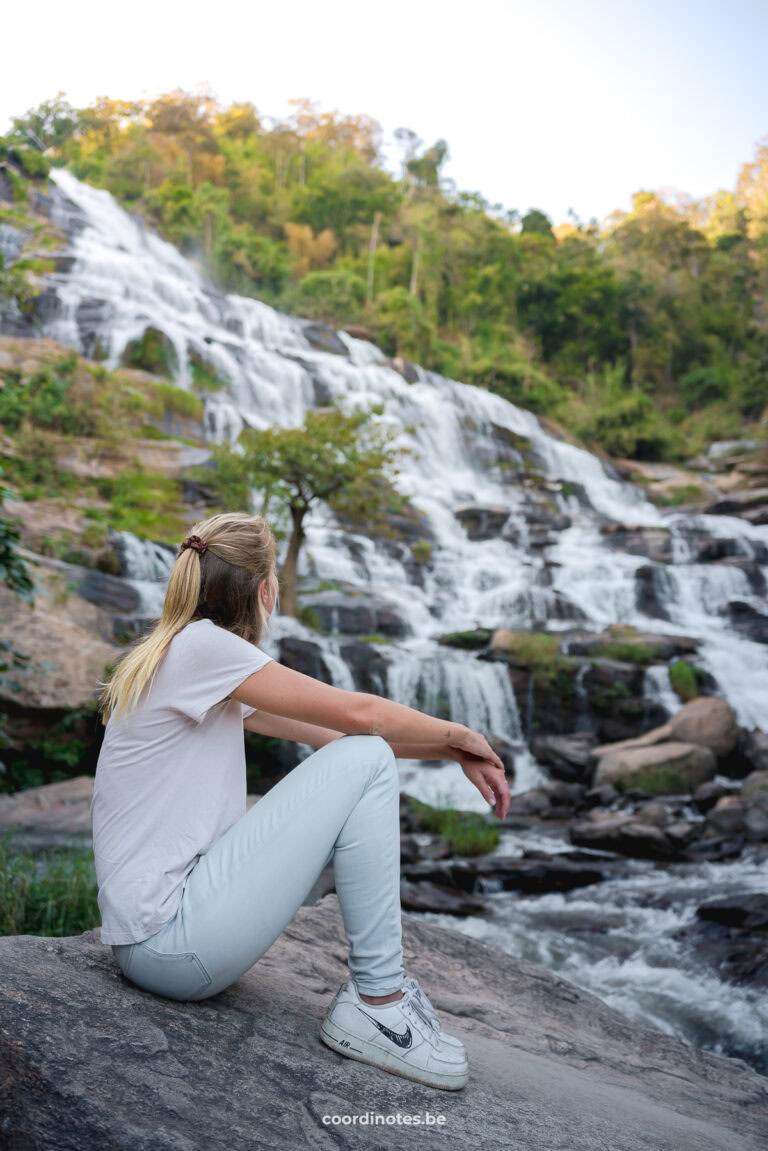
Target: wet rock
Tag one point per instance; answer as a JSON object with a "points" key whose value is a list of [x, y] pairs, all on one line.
{"points": [[432, 897], [566, 756], [727, 816], [652, 591], [706, 795], [622, 834], [732, 935], [367, 666], [407, 370], [536, 874], [655, 813], [482, 521], [680, 833], [662, 647], [749, 622], [354, 612], [755, 748], [755, 784], [324, 339], [304, 656], [602, 796], [715, 848], [652, 543]]}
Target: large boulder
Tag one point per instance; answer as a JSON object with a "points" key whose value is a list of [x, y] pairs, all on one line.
{"points": [[671, 768], [88, 1060], [707, 721]]}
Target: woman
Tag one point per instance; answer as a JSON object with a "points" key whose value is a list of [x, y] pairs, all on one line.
{"points": [[192, 889]]}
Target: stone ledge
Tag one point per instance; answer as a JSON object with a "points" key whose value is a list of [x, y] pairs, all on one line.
{"points": [[89, 1061]]}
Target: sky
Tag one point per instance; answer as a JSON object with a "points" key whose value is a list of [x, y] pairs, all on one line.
{"points": [[562, 105]]}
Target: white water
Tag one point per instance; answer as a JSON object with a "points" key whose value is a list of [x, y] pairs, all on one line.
{"points": [[448, 426], [619, 942]]}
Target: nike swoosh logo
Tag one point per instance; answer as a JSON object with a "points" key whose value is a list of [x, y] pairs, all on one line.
{"points": [[402, 1039]]}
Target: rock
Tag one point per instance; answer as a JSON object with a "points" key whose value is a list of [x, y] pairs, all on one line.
{"points": [[707, 794], [407, 370], [53, 815], [665, 767], [661, 647], [727, 816], [731, 934], [652, 543], [652, 591], [433, 897], [602, 796], [715, 848], [749, 912], [304, 656], [755, 748], [350, 611], [707, 721], [624, 835], [90, 1060], [566, 756], [323, 338], [754, 784], [655, 813], [748, 621], [59, 628], [754, 795], [482, 521]]}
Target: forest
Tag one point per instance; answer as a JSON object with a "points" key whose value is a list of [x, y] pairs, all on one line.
{"points": [[644, 334]]}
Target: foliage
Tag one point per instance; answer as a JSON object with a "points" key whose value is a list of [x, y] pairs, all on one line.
{"points": [[643, 334], [684, 678], [53, 894], [345, 461], [466, 832]]}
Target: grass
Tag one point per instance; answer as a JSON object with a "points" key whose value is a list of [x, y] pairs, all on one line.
{"points": [[684, 679], [50, 894], [465, 832], [626, 651]]}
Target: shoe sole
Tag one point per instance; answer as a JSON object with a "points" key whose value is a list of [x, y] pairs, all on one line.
{"points": [[334, 1037]]}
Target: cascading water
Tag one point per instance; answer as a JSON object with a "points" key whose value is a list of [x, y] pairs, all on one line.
{"points": [[122, 278], [454, 432]]}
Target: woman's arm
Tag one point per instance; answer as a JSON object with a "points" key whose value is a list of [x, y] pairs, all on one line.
{"points": [[264, 723]]}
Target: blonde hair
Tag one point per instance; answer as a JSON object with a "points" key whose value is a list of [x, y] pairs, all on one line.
{"points": [[222, 585]]}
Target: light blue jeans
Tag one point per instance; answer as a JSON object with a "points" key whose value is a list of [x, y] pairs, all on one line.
{"points": [[341, 803]]}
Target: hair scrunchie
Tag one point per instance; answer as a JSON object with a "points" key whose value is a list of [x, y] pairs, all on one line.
{"points": [[195, 542]]}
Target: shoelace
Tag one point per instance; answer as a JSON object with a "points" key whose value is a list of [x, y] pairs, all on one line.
{"points": [[421, 997], [412, 999]]}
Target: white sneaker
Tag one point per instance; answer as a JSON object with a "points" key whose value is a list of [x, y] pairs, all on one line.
{"points": [[425, 1001], [400, 1037]]}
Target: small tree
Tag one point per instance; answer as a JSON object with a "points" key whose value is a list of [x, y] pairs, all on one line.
{"points": [[343, 460]]}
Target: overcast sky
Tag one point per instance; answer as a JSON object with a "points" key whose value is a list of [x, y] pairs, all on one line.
{"points": [[555, 104]]}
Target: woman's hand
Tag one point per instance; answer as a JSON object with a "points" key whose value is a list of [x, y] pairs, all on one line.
{"points": [[488, 777]]}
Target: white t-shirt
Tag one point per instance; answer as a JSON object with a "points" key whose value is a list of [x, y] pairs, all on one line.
{"points": [[170, 779]]}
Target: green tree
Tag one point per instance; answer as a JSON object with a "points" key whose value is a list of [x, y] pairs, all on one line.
{"points": [[345, 461]]}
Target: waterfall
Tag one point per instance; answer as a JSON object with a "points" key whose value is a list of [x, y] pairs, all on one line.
{"points": [[464, 444]]}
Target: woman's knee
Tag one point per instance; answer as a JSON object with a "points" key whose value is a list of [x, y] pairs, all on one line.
{"points": [[372, 750]]}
